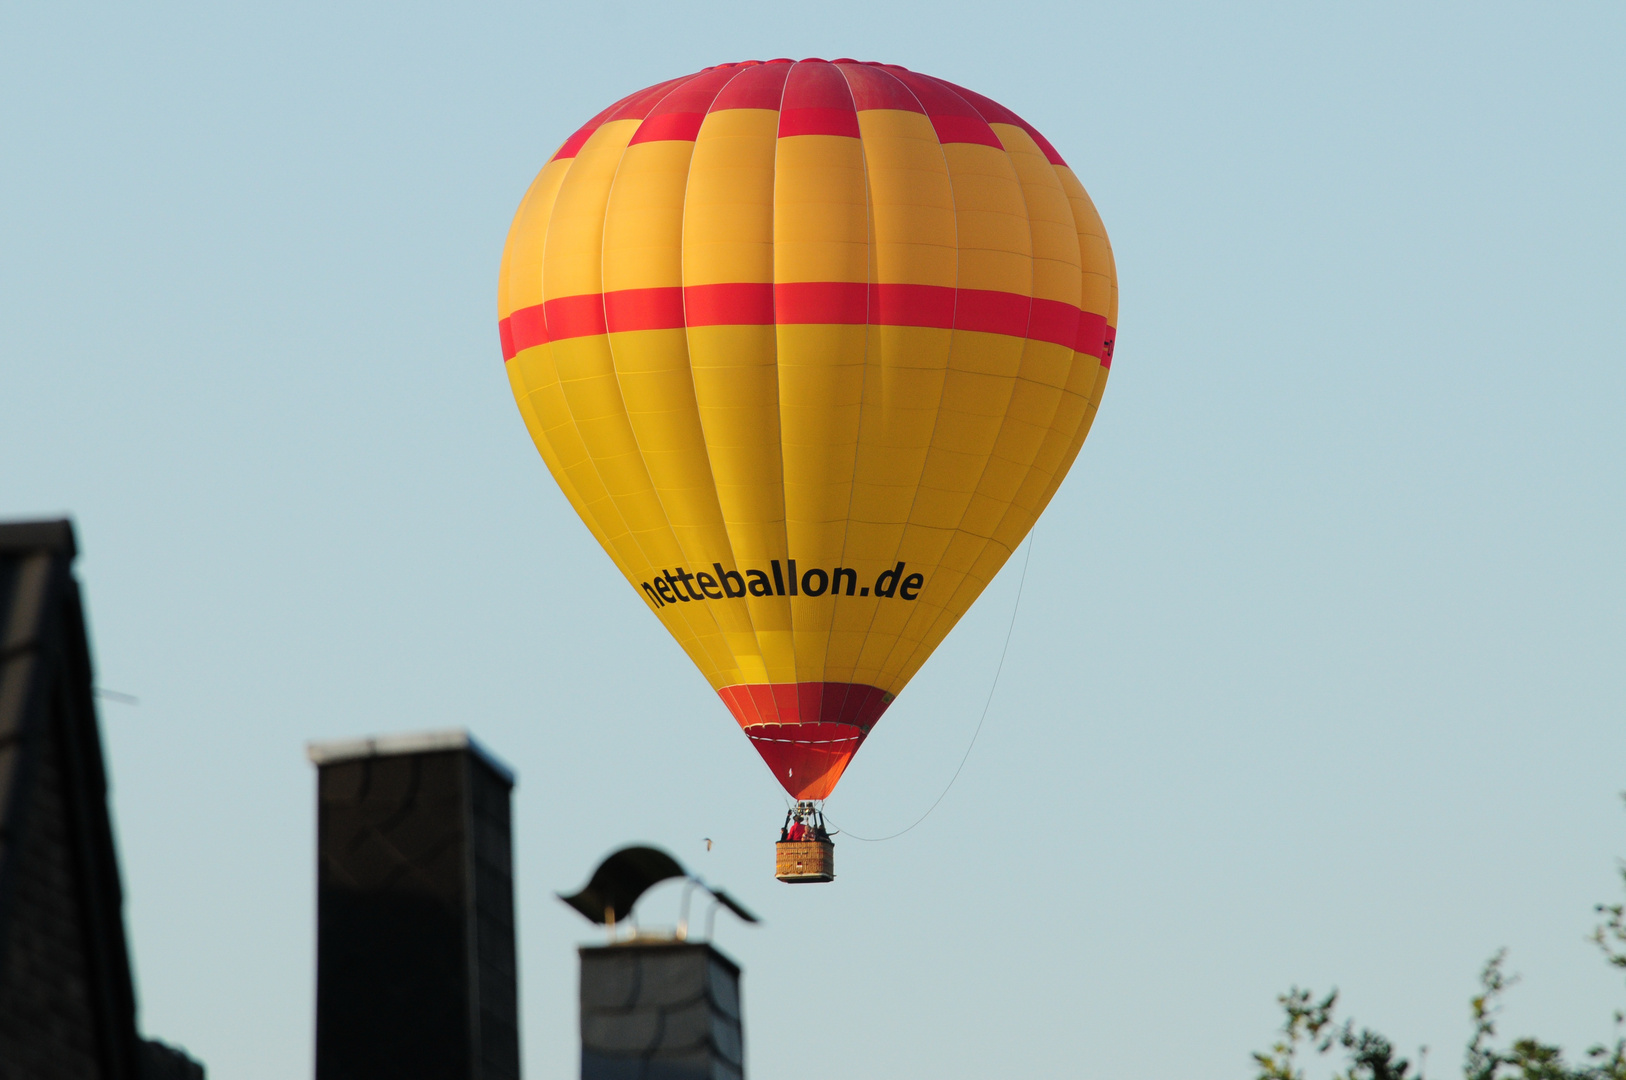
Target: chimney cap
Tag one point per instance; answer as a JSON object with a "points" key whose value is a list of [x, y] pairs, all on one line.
{"points": [[332, 751]]}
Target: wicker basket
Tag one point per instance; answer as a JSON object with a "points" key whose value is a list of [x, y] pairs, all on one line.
{"points": [[800, 861]]}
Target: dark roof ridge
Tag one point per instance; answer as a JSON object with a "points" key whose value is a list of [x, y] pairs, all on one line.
{"points": [[53, 535]]}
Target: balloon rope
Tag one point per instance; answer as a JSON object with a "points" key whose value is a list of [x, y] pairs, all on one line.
{"points": [[985, 706]]}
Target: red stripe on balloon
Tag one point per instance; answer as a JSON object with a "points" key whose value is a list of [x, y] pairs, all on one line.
{"points": [[641, 104], [1092, 334], [952, 117], [848, 303], [642, 309], [818, 122], [1053, 321], [573, 316], [965, 129], [583, 133], [841, 302], [733, 304], [817, 102], [995, 113], [755, 87], [992, 312], [873, 88], [669, 127], [911, 305], [678, 115], [633, 106], [521, 330]]}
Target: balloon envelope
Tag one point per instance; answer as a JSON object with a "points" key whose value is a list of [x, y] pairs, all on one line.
{"points": [[808, 346]]}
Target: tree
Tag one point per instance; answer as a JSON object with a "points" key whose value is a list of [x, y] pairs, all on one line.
{"points": [[1311, 1026]]}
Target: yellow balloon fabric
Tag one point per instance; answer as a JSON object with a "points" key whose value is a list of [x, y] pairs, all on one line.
{"points": [[808, 346]]}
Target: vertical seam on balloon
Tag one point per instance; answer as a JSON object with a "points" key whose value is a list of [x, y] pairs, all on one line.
{"points": [[872, 293], [705, 444], [773, 299], [611, 498], [1060, 473], [526, 410], [1067, 199], [947, 612], [949, 175], [695, 626], [661, 502], [626, 526], [852, 485], [762, 653], [504, 264], [953, 330], [562, 477], [542, 293], [1071, 449], [779, 396]]}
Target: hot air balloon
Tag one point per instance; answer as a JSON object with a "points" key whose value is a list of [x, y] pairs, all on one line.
{"points": [[809, 346]]}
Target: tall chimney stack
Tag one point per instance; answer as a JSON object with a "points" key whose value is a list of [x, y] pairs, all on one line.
{"points": [[415, 972]]}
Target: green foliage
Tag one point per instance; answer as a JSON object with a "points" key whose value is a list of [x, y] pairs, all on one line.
{"points": [[1311, 1025], [1305, 1024]]}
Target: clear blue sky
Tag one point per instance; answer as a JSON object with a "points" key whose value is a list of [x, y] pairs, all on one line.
{"points": [[1319, 673]]}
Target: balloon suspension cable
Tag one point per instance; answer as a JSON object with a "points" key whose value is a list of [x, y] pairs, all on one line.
{"points": [[1000, 667], [689, 884]]}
